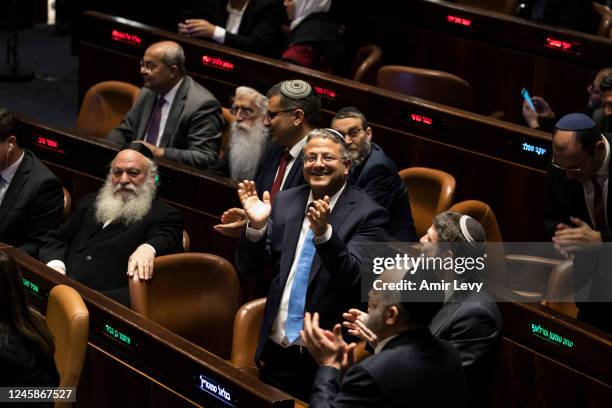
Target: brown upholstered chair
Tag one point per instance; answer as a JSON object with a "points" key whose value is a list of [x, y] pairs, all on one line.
{"points": [[435, 86], [528, 275], [481, 212], [431, 192], [68, 320], [366, 63], [500, 6], [186, 241], [194, 295], [67, 204], [560, 290], [246, 333], [104, 106], [227, 131], [604, 19]]}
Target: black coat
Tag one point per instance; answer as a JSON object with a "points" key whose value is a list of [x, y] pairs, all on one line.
{"points": [[32, 206]]}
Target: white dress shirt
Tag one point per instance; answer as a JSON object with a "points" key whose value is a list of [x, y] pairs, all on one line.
{"points": [[277, 333], [602, 178], [7, 176], [234, 18]]}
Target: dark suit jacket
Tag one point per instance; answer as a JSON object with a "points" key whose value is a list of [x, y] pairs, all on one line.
{"points": [[334, 283], [472, 323], [268, 165], [32, 205], [192, 134], [567, 199], [414, 369], [378, 176], [260, 27], [98, 257]]}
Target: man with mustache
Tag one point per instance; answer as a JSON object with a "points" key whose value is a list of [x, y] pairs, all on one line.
{"points": [[309, 237], [116, 233], [376, 173]]}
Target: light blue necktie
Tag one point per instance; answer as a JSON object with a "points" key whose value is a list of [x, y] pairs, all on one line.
{"points": [[297, 298]]}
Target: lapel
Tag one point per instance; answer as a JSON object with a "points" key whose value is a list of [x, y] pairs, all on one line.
{"points": [[176, 110], [245, 23], [342, 209], [297, 171], [17, 183], [97, 234], [293, 226]]}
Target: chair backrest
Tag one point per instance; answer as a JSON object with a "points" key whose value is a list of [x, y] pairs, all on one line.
{"points": [[500, 6], [227, 131], [246, 334], [104, 106], [435, 86], [366, 63], [482, 213], [67, 204], [194, 295], [560, 289], [529, 275], [605, 19], [431, 192], [68, 320]]}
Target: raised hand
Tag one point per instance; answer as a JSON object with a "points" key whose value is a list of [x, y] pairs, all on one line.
{"points": [[355, 323], [318, 212], [327, 347], [256, 210], [233, 222]]}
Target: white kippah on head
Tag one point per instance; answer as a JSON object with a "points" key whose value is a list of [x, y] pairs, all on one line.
{"points": [[464, 229], [296, 89]]}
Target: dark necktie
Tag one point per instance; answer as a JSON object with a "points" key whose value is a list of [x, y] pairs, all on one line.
{"points": [[154, 122], [599, 214], [282, 167]]}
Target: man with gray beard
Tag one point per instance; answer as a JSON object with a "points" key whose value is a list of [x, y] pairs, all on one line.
{"points": [[117, 232], [249, 136]]}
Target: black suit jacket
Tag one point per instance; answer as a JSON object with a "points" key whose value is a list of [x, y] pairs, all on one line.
{"points": [[33, 204], [260, 27], [567, 200], [472, 323], [98, 257], [268, 165], [378, 176], [192, 134], [334, 282], [414, 369]]}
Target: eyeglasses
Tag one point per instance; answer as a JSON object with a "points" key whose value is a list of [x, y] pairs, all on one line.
{"points": [[577, 170], [353, 133], [325, 158], [149, 66], [242, 112], [272, 115]]}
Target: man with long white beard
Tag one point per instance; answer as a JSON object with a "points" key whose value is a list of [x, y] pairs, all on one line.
{"points": [[249, 135], [117, 232]]}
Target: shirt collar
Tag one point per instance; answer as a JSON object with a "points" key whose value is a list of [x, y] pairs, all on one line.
{"points": [[8, 173], [332, 200], [383, 343], [231, 9], [171, 94], [605, 166], [297, 148]]}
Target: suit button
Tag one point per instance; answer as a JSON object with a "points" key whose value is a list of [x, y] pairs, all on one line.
{"points": [[88, 258]]}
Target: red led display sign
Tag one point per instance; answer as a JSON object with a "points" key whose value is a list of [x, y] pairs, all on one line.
{"points": [[325, 92], [218, 63], [424, 120], [49, 144], [561, 45], [127, 38], [459, 21]]}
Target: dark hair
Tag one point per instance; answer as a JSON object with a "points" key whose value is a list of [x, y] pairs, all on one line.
{"points": [[8, 124], [334, 136], [351, 112], [310, 105], [15, 312], [447, 226], [606, 84]]}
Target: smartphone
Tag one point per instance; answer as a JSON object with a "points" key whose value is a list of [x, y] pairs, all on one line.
{"points": [[526, 97]]}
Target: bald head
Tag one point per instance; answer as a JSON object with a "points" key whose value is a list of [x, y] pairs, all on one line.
{"points": [[579, 153], [163, 66]]}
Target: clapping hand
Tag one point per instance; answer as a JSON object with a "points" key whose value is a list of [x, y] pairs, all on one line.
{"points": [[256, 210], [318, 212], [327, 348], [568, 239], [355, 323], [233, 222]]}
